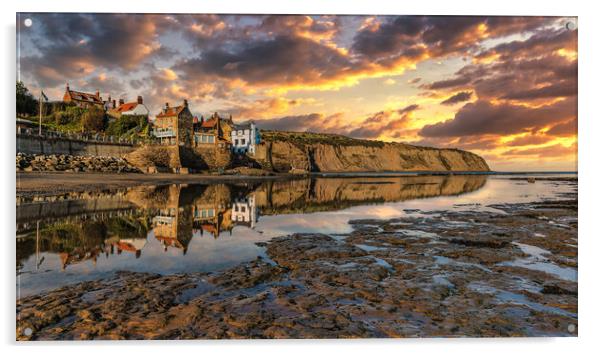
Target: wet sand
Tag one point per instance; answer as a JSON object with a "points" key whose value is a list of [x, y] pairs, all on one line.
{"points": [[51, 183]]}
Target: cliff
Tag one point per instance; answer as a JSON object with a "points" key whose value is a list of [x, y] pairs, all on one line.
{"points": [[285, 151], [327, 194]]}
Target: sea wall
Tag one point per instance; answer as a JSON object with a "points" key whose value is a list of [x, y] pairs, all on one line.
{"points": [[169, 157], [41, 145], [157, 158]]}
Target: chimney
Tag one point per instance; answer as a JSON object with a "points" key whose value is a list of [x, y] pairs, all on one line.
{"points": [[166, 108], [121, 102], [114, 104], [139, 99], [202, 119], [67, 87], [185, 103], [97, 93]]}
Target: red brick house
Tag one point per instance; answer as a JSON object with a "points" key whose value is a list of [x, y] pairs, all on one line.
{"points": [[83, 99]]}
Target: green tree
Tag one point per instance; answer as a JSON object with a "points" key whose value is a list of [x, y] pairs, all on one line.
{"points": [[27, 105], [128, 125], [93, 119]]}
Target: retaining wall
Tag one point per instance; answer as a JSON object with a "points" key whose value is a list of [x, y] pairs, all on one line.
{"points": [[33, 144]]}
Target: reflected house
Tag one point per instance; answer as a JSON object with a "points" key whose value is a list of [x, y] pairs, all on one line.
{"points": [[79, 256], [133, 245], [244, 211], [173, 228], [82, 238], [211, 211]]}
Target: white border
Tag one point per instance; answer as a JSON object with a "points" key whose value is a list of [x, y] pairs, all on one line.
{"points": [[589, 168]]}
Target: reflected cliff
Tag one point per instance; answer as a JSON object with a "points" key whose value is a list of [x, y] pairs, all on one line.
{"points": [[157, 228]]}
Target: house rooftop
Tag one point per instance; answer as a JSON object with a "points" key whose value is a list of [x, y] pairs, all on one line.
{"points": [[84, 96], [171, 111], [244, 125]]}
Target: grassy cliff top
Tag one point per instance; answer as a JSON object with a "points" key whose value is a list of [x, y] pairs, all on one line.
{"points": [[302, 139], [306, 138]]}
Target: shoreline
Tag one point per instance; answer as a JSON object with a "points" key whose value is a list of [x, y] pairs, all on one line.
{"points": [[53, 183]]}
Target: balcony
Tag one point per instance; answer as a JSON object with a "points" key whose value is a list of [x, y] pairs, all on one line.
{"points": [[164, 133]]}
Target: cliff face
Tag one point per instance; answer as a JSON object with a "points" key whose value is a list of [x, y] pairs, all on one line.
{"points": [[283, 153]]}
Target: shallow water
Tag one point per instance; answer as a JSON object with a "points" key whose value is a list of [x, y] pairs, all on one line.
{"points": [[204, 228]]}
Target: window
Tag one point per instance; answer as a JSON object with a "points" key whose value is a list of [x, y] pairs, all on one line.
{"points": [[235, 141], [211, 139], [243, 209]]}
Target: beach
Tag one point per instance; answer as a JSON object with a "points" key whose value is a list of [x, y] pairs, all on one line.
{"points": [[442, 261]]}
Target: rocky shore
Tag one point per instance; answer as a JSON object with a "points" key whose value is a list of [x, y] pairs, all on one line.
{"points": [[503, 271], [72, 163]]}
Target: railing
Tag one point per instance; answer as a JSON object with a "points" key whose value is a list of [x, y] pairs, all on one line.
{"points": [[88, 137], [163, 219], [164, 133]]}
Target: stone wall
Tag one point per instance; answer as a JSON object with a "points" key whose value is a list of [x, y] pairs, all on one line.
{"points": [[213, 158], [159, 158], [33, 144]]}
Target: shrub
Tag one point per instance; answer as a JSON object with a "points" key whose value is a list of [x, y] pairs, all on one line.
{"points": [[69, 115], [93, 119], [128, 125]]}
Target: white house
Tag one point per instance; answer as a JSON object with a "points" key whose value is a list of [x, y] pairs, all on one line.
{"points": [[245, 138], [129, 109], [244, 211], [135, 108]]}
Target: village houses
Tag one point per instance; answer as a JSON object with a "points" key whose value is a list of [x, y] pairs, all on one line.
{"points": [[176, 125], [114, 110], [213, 132]]}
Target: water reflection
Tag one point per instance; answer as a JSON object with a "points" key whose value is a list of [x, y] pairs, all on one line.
{"points": [[180, 228]]}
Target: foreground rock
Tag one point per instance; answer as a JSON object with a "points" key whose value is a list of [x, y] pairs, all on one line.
{"points": [[453, 273], [71, 163]]}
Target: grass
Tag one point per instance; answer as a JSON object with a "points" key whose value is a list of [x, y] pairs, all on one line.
{"points": [[302, 139]]}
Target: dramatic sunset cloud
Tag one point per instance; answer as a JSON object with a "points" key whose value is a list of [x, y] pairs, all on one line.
{"points": [[503, 87]]}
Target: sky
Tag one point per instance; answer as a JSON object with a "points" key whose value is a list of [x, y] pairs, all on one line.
{"points": [[502, 87]]}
